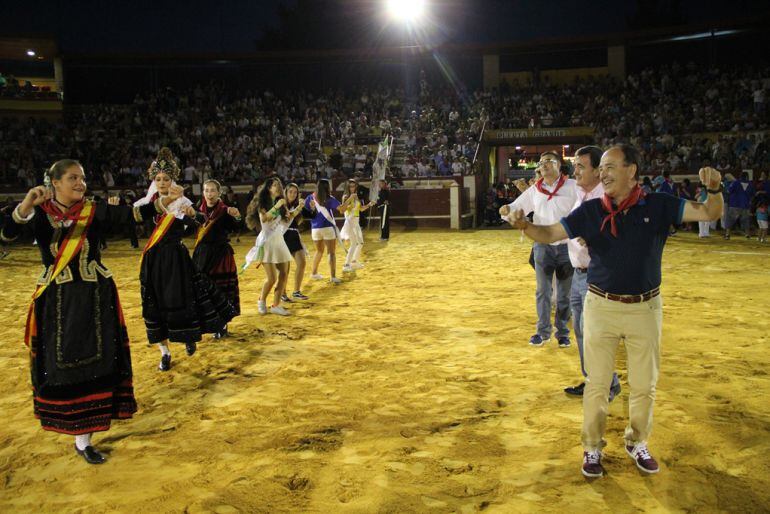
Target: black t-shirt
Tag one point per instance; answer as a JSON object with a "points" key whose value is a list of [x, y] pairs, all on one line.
{"points": [[629, 263], [383, 196]]}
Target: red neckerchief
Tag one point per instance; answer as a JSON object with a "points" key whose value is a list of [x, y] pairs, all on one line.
{"points": [[637, 193], [551, 194], [157, 217], [213, 213], [71, 214]]}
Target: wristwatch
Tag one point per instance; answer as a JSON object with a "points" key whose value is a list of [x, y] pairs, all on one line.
{"points": [[715, 191]]}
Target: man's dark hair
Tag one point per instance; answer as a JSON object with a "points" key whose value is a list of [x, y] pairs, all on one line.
{"points": [[550, 152], [593, 151], [630, 156]]}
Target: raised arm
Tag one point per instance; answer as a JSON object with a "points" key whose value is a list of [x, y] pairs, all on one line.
{"points": [[293, 213], [24, 212], [266, 216], [711, 209], [35, 196], [539, 233], [342, 206], [525, 202], [148, 210]]}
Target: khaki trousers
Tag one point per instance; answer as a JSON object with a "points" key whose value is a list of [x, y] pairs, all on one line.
{"points": [[605, 324]]}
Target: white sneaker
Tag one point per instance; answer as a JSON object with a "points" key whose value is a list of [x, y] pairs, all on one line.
{"points": [[261, 307], [347, 268], [335, 280], [277, 309], [358, 265], [316, 276]]}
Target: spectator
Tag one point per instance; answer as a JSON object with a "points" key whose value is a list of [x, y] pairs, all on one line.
{"points": [[741, 194]]}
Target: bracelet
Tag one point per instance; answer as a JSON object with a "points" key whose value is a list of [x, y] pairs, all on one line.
{"points": [[716, 191]]}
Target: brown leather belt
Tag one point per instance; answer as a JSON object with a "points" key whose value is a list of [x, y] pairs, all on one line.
{"points": [[581, 270], [625, 298]]}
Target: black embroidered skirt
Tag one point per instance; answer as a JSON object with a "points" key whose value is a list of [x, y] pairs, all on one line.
{"points": [[217, 261], [80, 360], [179, 303]]}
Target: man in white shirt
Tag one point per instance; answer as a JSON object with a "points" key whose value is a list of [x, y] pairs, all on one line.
{"points": [[590, 187], [550, 199]]}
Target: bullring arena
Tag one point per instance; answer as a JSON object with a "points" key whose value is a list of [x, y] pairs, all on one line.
{"points": [[410, 388]]}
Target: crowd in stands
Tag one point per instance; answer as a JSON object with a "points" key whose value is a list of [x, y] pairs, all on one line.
{"points": [[234, 139], [241, 138], [661, 111], [11, 87]]}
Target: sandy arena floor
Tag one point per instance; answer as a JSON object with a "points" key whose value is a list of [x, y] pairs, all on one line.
{"points": [[409, 388]]}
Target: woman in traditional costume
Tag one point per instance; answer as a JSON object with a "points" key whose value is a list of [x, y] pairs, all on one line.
{"points": [[213, 254], [80, 361], [179, 303]]}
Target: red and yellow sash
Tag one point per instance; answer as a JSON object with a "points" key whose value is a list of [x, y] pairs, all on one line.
{"points": [[67, 251], [161, 228], [216, 214]]}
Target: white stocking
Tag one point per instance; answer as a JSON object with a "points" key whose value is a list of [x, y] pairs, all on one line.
{"points": [[83, 441]]}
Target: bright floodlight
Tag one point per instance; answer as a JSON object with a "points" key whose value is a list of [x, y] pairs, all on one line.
{"points": [[31, 53], [406, 10]]}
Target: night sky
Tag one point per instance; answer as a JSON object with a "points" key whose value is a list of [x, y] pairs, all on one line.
{"points": [[86, 27]]}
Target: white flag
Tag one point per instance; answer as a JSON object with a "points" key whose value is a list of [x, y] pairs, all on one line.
{"points": [[378, 170]]}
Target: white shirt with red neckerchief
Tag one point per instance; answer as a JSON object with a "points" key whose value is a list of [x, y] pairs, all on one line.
{"points": [[548, 212]]}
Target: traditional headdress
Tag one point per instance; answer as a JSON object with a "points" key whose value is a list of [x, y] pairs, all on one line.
{"points": [[164, 163]]}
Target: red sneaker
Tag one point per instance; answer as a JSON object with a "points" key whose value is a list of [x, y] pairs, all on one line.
{"points": [[642, 457], [592, 464]]}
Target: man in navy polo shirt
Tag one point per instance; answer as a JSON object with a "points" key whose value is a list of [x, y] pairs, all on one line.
{"points": [[625, 231]]}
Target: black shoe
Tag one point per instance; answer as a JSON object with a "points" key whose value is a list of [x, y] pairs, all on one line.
{"points": [[222, 333], [298, 295], [91, 455], [575, 390], [536, 340], [165, 363], [563, 342], [190, 348]]}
